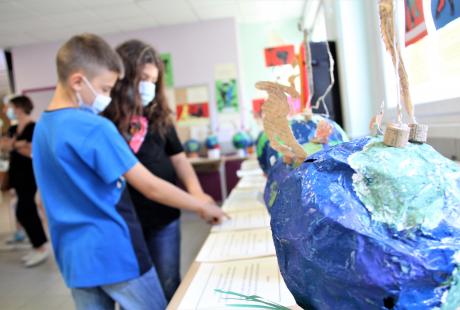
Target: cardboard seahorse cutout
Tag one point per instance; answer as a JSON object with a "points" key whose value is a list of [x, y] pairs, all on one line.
{"points": [[275, 120]]}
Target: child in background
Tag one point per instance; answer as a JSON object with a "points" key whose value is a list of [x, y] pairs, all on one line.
{"points": [[81, 163], [141, 112], [21, 177]]}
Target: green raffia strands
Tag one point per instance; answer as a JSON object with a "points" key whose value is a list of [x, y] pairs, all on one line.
{"points": [[406, 187], [453, 295], [311, 147], [261, 143], [258, 302], [273, 193]]}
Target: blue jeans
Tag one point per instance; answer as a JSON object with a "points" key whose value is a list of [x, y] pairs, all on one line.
{"points": [[143, 293], [163, 244]]}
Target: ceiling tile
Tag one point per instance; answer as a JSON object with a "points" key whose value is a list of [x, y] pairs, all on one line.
{"points": [[119, 12], [26, 21], [169, 12], [9, 11], [137, 23], [259, 11], [178, 17], [203, 3], [70, 19], [45, 7], [216, 11], [101, 3], [156, 6]]}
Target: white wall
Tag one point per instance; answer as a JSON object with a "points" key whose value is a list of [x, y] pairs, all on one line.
{"points": [[195, 48], [355, 25]]}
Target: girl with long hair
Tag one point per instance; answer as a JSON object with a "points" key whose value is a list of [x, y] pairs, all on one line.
{"points": [[141, 112]]}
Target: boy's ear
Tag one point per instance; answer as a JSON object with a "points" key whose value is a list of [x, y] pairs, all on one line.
{"points": [[75, 81]]}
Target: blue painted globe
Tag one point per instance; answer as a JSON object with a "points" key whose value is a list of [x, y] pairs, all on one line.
{"points": [[212, 142], [242, 140], [304, 131], [366, 226], [192, 146]]}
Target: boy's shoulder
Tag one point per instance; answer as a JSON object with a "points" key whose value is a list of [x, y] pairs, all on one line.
{"points": [[74, 125], [69, 118]]}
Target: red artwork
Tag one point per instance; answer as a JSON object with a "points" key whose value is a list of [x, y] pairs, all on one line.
{"points": [[415, 21], [304, 92], [192, 111], [257, 108], [280, 55]]}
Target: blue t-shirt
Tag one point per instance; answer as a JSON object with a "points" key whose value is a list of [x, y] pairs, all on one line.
{"points": [[79, 159]]}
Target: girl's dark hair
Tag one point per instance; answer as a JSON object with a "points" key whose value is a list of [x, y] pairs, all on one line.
{"points": [[126, 100], [24, 103]]}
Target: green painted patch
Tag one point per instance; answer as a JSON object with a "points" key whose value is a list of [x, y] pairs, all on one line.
{"points": [[406, 187], [453, 295]]}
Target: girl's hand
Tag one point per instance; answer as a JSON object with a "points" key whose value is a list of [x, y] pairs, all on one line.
{"points": [[6, 144], [20, 144], [213, 214]]}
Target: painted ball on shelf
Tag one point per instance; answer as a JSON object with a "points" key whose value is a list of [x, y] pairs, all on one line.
{"points": [[192, 146], [315, 134], [242, 140], [367, 226], [212, 142]]}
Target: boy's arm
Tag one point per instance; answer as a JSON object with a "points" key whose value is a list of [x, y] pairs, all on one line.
{"points": [[156, 189], [188, 177]]}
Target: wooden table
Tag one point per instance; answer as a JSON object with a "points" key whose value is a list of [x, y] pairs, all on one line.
{"points": [[201, 164]]}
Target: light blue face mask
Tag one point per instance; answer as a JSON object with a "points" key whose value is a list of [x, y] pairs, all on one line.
{"points": [[147, 92], [10, 114], [100, 102]]}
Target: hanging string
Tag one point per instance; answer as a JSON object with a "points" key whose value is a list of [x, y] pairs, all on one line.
{"points": [[397, 60]]}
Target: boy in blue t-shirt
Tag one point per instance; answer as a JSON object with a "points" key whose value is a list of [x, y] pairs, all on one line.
{"points": [[81, 163]]}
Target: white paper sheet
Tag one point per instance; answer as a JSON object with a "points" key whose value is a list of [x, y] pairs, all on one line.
{"points": [[252, 182], [249, 172], [244, 195], [243, 220], [232, 245], [250, 164], [244, 200], [249, 277]]}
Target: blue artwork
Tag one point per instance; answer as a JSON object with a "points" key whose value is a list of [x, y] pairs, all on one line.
{"points": [[444, 11], [366, 226], [304, 131]]}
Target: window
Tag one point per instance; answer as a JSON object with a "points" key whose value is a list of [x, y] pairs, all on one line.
{"points": [[432, 63]]}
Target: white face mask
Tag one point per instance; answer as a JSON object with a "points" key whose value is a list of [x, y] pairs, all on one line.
{"points": [[10, 114], [147, 92], [99, 103]]}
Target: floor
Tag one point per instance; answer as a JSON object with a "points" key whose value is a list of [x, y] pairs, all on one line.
{"points": [[42, 287]]}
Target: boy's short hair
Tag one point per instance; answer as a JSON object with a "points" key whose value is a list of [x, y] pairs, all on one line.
{"points": [[23, 102], [87, 52]]}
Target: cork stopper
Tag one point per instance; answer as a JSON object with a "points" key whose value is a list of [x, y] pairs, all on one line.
{"points": [[418, 133], [308, 114], [396, 135]]}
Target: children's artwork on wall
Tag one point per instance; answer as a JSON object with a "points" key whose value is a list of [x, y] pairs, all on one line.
{"points": [[226, 87], [415, 21], [279, 55], [444, 11], [192, 104], [227, 95], [167, 61], [257, 108]]}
